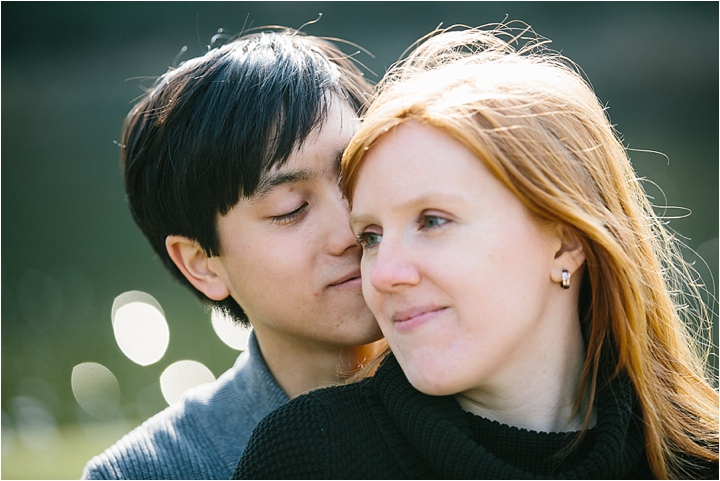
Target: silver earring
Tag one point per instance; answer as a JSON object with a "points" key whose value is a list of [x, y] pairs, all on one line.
{"points": [[565, 283]]}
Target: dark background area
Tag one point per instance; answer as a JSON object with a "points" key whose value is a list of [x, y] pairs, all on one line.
{"points": [[71, 71]]}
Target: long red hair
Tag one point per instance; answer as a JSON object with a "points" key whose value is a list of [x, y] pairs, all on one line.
{"points": [[530, 116]]}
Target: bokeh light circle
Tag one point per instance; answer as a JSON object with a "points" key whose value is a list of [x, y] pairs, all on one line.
{"points": [[96, 389], [140, 327], [35, 423], [180, 376], [230, 332]]}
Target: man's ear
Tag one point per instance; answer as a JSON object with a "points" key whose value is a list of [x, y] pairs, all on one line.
{"points": [[570, 256], [195, 265]]}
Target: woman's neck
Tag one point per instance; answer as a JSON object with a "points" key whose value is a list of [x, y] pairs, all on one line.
{"points": [[539, 392]]}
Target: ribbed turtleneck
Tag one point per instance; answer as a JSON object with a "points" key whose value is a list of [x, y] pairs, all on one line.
{"points": [[459, 445], [531, 451]]}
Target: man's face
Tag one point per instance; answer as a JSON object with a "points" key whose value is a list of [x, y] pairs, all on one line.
{"points": [[287, 254]]}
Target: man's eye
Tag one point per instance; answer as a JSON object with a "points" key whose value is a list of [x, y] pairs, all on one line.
{"points": [[369, 239], [290, 216]]}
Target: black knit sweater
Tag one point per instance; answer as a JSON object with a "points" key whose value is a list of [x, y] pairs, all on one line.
{"points": [[383, 428]]}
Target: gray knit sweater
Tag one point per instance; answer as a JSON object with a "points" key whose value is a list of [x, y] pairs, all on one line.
{"points": [[200, 437]]}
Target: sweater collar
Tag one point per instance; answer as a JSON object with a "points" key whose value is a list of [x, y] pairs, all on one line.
{"points": [[225, 412], [438, 429], [255, 374]]}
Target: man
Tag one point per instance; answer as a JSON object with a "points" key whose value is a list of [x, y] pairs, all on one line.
{"points": [[231, 171]]}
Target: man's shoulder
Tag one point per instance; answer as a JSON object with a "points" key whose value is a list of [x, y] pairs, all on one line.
{"points": [[143, 452], [201, 437]]}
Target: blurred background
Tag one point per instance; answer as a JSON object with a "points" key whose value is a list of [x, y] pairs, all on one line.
{"points": [[96, 336]]}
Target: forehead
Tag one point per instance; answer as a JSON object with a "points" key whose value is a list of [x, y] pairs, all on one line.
{"points": [[318, 155], [410, 163], [415, 151]]}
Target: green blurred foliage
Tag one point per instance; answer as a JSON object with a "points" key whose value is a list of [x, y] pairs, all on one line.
{"points": [[71, 72]]}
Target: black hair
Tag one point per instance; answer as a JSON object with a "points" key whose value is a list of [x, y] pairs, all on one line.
{"points": [[207, 131]]}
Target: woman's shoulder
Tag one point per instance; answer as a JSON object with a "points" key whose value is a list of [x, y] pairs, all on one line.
{"points": [[317, 408], [329, 400], [291, 439]]}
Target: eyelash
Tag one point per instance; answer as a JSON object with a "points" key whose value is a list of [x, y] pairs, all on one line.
{"points": [[290, 216], [422, 223], [424, 218], [363, 240]]}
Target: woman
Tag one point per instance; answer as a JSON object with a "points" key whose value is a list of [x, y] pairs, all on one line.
{"points": [[526, 289]]}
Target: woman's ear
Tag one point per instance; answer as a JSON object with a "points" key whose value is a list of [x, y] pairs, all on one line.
{"points": [[569, 257], [191, 259]]}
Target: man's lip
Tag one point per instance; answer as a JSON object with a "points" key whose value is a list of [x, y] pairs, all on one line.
{"points": [[404, 315]]}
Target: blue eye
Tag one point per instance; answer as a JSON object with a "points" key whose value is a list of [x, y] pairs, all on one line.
{"points": [[290, 216], [431, 221], [369, 239]]}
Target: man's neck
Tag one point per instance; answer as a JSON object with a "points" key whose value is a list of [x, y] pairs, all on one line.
{"points": [[299, 366]]}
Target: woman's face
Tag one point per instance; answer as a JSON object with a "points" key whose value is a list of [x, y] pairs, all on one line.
{"points": [[455, 268]]}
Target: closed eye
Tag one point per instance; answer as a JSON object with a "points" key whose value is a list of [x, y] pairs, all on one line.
{"points": [[290, 216]]}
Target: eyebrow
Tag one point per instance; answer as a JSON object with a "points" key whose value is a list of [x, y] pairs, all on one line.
{"points": [[272, 181]]}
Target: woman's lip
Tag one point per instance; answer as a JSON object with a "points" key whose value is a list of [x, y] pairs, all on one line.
{"points": [[415, 313], [407, 321]]}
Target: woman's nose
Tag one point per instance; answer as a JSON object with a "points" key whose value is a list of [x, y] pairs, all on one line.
{"points": [[393, 266]]}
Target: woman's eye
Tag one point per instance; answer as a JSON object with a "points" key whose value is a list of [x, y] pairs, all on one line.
{"points": [[369, 239], [431, 221], [290, 216]]}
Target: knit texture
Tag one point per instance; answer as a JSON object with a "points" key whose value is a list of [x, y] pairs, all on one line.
{"points": [[203, 435], [383, 428]]}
